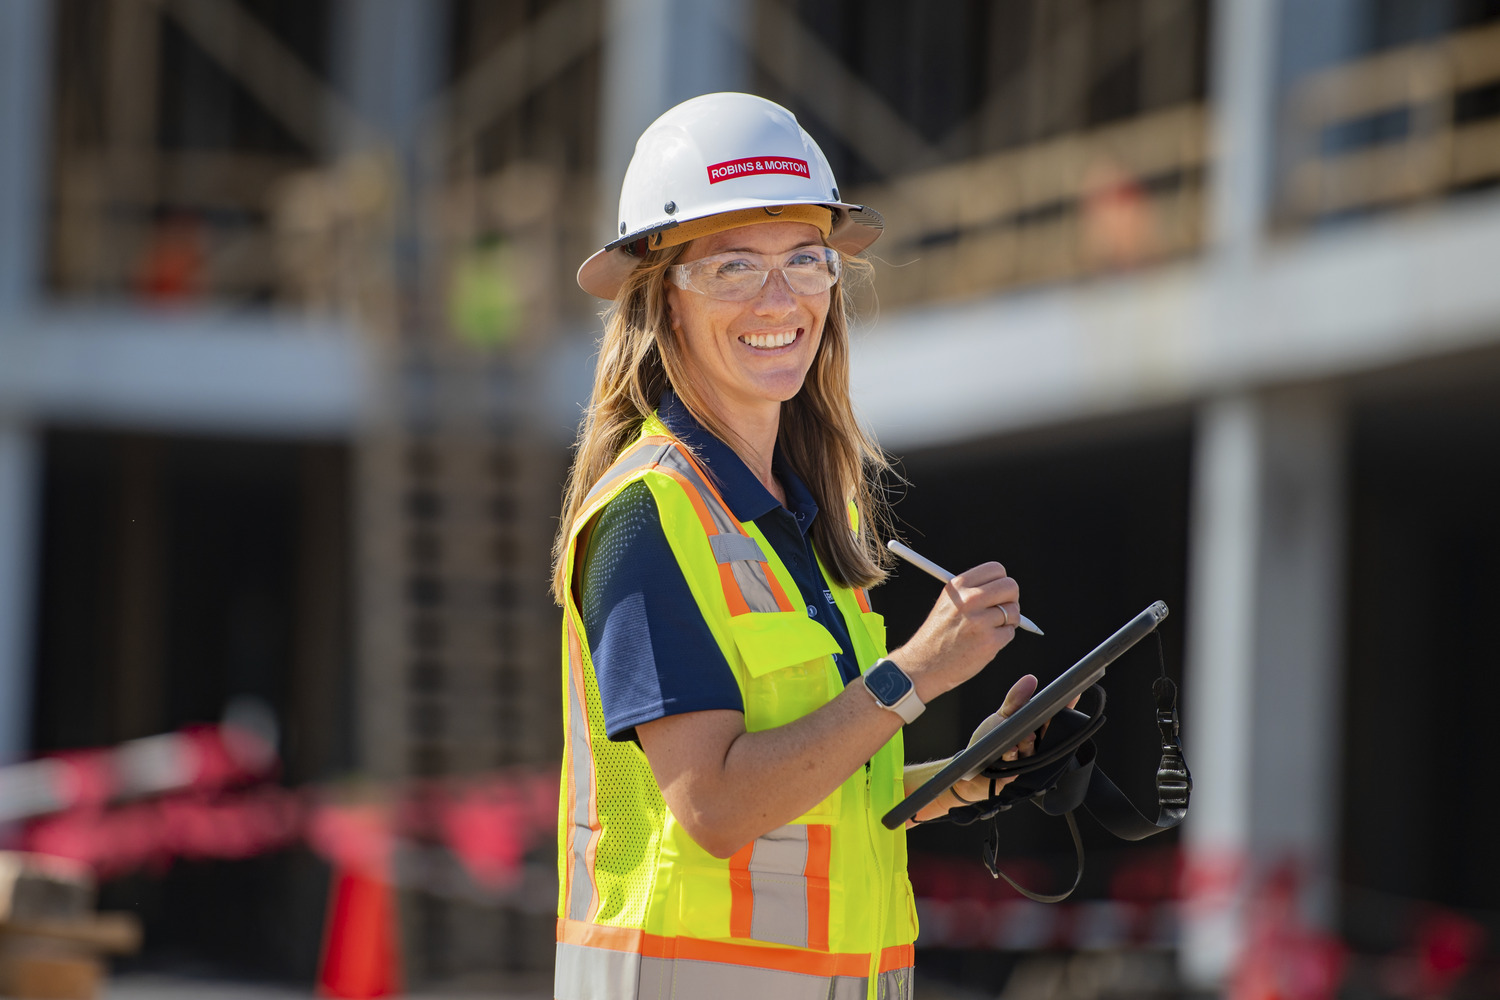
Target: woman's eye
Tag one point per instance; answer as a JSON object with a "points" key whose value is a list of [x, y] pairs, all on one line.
{"points": [[809, 258], [731, 268]]}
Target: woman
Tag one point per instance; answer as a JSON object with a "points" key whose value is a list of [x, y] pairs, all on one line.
{"points": [[733, 717]]}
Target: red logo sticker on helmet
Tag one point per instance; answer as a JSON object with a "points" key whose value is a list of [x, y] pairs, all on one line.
{"points": [[730, 169]]}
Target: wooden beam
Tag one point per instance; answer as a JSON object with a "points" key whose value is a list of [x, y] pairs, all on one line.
{"points": [[531, 57], [304, 104], [799, 61], [1400, 77]]}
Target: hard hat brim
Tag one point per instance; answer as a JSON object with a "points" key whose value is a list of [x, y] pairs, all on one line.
{"points": [[855, 227]]}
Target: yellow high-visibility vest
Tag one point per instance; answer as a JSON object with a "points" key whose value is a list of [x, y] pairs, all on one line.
{"points": [[820, 907]]}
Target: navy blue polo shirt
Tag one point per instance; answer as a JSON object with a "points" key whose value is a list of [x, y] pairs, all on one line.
{"points": [[653, 654]]}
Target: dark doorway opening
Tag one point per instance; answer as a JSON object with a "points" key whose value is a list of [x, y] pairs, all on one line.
{"points": [[179, 574], [1419, 815], [1093, 523]]}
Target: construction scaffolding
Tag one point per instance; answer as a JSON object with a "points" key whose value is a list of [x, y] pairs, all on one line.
{"points": [[278, 190], [227, 153], [1412, 124], [421, 178]]}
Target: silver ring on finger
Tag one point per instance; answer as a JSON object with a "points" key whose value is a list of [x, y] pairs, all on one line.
{"points": [[1004, 614]]}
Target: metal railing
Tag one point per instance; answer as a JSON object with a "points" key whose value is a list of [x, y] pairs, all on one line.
{"points": [[1407, 125], [1097, 201]]}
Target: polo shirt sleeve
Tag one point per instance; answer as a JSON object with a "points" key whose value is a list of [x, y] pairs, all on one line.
{"points": [[653, 654]]}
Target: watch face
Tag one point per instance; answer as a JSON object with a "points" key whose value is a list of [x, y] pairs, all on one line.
{"points": [[887, 683]]}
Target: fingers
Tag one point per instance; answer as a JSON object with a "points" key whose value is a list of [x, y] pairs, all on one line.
{"points": [[974, 619], [1025, 748], [1000, 616], [980, 575], [1019, 694], [987, 595], [985, 586]]}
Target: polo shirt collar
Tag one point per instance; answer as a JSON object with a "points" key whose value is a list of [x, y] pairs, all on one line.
{"points": [[747, 498]]}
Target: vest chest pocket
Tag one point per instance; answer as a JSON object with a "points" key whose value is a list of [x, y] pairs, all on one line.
{"points": [[788, 672]]}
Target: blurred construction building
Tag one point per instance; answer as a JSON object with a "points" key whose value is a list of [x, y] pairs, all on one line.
{"points": [[1193, 300]]}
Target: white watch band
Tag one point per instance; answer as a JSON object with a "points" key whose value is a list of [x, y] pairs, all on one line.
{"points": [[908, 706]]}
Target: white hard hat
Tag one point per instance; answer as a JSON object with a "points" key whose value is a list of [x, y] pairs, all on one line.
{"points": [[735, 157]]}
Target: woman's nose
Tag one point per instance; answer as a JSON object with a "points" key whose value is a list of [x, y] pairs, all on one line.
{"points": [[776, 297]]}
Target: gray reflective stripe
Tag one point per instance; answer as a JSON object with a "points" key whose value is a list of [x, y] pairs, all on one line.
{"points": [[728, 548], [595, 973], [730, 544], [676, 461], [636, 458], [895, 985], [584, 973], [847, 988], [581, 893], [777, 867], [754, 585], [751, 573], [685, 978]]}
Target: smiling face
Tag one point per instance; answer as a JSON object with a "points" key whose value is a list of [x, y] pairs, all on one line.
{"points": [[750, 356]]}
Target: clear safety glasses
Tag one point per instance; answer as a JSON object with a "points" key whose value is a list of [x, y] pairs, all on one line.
{"points": [[734, 277]]}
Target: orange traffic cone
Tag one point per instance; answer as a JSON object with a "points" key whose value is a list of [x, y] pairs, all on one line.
{"points": [[361, 958]]}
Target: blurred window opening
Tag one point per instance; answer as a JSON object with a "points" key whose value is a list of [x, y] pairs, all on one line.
{"points": [[1007, 145], [173, 124], [212, 153], [1385, 104]]}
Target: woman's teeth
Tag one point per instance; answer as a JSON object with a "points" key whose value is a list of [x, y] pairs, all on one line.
{"points": [[769, 339]]}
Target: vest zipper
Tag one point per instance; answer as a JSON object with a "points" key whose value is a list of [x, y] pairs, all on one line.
{"points": [[873, 989]]}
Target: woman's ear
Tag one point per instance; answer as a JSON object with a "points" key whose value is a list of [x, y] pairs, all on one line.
{"points": [[670, 300]]}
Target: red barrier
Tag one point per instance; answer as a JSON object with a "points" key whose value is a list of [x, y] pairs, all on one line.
{"points": [[202, 758], [488, 823]]}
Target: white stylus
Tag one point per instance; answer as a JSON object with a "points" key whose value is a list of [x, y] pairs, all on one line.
{"points": [[933, 569]]}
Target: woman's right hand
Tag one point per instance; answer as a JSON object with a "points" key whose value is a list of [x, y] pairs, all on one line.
{"points": [[963, 632]]}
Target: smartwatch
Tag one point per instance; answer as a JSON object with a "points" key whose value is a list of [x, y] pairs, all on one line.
{"points": [[893, 690]]}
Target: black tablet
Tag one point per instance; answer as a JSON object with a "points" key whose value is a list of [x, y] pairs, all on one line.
{"points": [[1043, 705]]}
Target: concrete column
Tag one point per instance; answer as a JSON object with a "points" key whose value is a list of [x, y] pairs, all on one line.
{"points": [[1262, 720], [19, 486], [25, 48], [1242, 93], [390, 62], [659, 53], [390, 58]]}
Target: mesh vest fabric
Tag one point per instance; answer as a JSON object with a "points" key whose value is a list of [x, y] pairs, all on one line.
{"points": [[820, 907]]}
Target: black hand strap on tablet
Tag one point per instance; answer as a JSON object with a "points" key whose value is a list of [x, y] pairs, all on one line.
{"points": [[1062, 775]]}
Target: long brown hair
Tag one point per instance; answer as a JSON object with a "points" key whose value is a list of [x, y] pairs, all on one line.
{"points": [[640, 357]]}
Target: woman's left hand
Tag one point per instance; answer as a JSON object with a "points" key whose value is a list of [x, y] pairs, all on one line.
{"points": [[977, 789]]}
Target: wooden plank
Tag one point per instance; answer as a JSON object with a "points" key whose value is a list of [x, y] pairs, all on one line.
{"points": [[118, 933], [50, 977], [1409, 75], [1476, 152], [303, 103], [985, 189]]}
